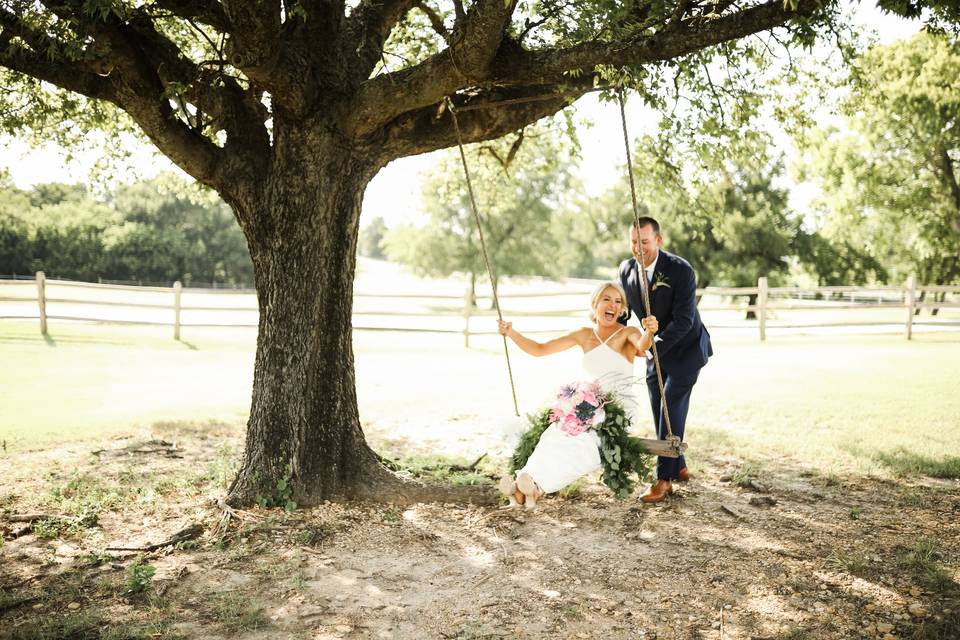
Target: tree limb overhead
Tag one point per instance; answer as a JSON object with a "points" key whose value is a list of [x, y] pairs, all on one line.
{"points": [[387, 97], [209, 12]]}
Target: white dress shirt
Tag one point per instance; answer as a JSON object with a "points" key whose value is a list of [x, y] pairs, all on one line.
{"points": [[648, 272]]}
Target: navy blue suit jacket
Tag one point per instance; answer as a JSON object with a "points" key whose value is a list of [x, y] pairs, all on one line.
{"points": [[684, 344]]}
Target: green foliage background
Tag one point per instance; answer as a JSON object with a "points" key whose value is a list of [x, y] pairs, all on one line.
{"points": [[160, 230]]}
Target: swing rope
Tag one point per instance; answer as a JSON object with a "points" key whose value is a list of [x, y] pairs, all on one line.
{"points": [[483, 247], [676, 447], [644, 291]]}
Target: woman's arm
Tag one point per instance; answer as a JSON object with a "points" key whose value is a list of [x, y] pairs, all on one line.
{"points": [[535, 348], [643, 340]]}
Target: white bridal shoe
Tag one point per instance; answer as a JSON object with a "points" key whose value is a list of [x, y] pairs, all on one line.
{"points": [[508, 487], [529, 489]]}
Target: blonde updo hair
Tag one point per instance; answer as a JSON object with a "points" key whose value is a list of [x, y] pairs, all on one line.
{"points": [[595, 298]]}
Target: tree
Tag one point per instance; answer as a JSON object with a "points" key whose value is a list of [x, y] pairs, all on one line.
{"points": [[160, 230], [15, 243], [890, 186], [288, 109], [194, 228], [371, 238], [519, 183]]}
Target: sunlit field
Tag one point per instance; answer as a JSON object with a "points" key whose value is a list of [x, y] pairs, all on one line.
{"points": [[825, 467], [871, 404]]}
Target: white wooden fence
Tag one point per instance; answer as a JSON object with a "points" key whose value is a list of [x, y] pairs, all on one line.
{"points": [[212, 307]]}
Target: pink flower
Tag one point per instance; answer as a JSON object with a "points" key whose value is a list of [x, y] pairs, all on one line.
{"points": [[571, 425], [590, 396]]}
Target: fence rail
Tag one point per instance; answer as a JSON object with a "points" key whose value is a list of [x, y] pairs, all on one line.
{"points": [[763, 302]]}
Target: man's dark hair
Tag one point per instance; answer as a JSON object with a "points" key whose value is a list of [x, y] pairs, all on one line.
{"points": [[644, 221]]}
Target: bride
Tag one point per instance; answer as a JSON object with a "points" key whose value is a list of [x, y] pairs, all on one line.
{"points": [[608, 352]]}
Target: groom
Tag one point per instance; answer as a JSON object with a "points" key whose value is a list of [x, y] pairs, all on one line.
{"points": [[683, 344]]}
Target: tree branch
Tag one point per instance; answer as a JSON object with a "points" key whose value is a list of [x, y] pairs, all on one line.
{"points": [[431, 128], [950, 179], [209, 12], [465, 62], [435, 20], [384, 98], [369, 27], [549, 66], [254, 42], [74, 76], [145, 64], [460, 14]]}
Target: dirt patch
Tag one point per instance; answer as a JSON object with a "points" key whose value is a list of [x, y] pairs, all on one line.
{"points": [[738, 553]]}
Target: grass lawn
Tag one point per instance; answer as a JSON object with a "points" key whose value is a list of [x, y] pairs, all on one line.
{"points": [[822, 546], [871, 404], [838, 403]]}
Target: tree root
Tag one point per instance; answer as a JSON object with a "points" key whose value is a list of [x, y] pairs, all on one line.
{"points": [[229, 514], [379, 484], [369, 480]]}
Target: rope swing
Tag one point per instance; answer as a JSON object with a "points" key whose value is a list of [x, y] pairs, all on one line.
{"points": [[671, 446], [672, 440], [483, 248]]}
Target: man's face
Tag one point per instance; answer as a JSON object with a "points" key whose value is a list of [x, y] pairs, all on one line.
{"points": [[647, 241]]}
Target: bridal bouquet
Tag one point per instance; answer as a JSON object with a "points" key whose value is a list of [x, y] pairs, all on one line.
{"points": [[579, 407], [585, 405]]}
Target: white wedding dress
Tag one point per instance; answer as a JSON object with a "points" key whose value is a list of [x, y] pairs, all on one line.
{"points": [[560, 458]]}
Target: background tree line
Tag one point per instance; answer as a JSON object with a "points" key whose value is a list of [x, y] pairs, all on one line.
{"points": [[160, 230]]}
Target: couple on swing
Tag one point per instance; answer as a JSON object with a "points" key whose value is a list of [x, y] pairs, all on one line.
{"points": [[609, 348]]}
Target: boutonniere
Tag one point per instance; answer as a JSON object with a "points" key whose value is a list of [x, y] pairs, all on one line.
{"points": [[660, 280]]}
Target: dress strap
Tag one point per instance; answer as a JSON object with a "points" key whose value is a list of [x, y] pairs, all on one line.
{"points": [[608, 337]]}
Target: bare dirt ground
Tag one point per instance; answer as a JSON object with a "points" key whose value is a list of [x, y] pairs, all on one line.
{"points": [[740, 552]]}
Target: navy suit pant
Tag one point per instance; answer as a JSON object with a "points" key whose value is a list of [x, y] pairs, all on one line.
{"points": [[677, 389]]}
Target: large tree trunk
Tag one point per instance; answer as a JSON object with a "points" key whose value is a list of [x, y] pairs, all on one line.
{"points": [[304, 429]]}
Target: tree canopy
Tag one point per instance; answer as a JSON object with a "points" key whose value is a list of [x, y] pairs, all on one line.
{"points": [[890, 182], [210, 82]]}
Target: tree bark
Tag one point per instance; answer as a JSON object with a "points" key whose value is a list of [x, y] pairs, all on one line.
{"points": [[304, 427]]}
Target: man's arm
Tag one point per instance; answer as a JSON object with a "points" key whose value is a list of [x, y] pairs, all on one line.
{"points": [[684, 311]]}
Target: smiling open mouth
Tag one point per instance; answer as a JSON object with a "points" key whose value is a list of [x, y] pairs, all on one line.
{"points": [[608, 314]]}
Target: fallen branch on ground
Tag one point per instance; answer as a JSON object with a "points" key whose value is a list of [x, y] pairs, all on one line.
{"points": [[32, 517], [727, 509], [17, 603], [471, 467], [188, 533], [169, 449]]}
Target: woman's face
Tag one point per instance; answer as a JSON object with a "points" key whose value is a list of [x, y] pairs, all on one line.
{"points": [[609, 307]]}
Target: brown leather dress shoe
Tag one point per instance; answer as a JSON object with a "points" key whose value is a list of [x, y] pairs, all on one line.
{"points": [[657, 492], [684, 475]]}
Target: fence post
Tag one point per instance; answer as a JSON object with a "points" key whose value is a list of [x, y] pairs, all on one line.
{"points": [[467, 304], [762, 306], [42, 300], [177, 288], [911, 302]]}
